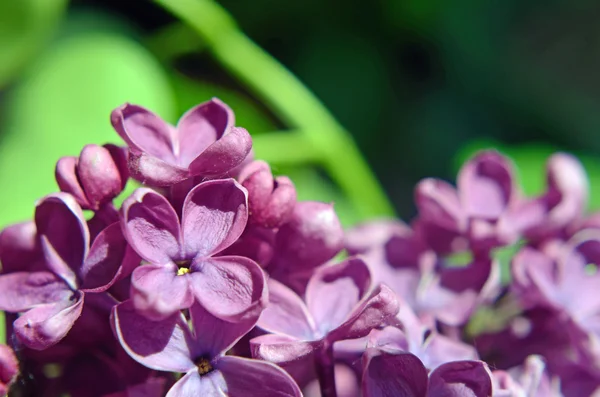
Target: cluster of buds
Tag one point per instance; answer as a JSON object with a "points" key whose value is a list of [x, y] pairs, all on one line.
{"points": [[211, 279]]}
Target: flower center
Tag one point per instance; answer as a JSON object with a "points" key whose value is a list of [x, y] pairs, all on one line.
{"points": [[184, 267], [204, 366]]}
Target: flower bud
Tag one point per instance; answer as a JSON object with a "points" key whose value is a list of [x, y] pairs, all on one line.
{"points": [[96, 177], [270, 200]]}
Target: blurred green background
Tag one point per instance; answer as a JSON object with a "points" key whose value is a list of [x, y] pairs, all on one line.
{"points": [[419, 84]]}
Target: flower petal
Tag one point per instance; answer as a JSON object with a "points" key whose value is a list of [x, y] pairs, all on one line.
{"points": [[371, 312], [9, 368], [157, 291], [311, 237], [21, 291], [485, 185], [461, 378], [387, 374], [213, 336], [19, 247], [286, 313], [214, 216], [225, 154], [153, 171], [99, 175], [161, 345], [67, 180], [194, 385], [64, 234], [47, 324], [200, 127], [151, 226], [232, 288], [253, 378], [281, 349], [333, 292], [438, 203], [103, 263], [144, 131]]}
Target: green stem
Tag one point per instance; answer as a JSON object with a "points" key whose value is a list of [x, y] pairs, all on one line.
{"points": [[285, 148], [288, 98]]}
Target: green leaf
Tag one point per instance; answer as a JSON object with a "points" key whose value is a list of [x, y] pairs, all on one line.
{"points": [[25, 25], [65, 103]]}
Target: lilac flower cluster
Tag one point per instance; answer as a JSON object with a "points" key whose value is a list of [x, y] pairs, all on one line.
{"points": [[211, 279]]}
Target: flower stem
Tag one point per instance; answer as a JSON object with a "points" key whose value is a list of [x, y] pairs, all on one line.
{"points": [[294, 104], [324, 364]]}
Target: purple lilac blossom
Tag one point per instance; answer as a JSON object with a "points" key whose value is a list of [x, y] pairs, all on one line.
{"points": [[199, 353], [182, 266], [51, 300], [204, 143], [339, 304]]}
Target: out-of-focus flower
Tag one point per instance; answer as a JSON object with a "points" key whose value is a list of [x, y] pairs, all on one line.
{"points": [[9, 368]]}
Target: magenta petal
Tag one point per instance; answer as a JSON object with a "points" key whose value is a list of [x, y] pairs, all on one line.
{"points": [[253, 378], [214, 216], [68, 181], [393, 375], [213, 336], [333, 291], [223, 155], [21, 291], [568, 189], [371, 312], [461, 379], [9, 368], [158, 292], [151, 226], [439, 204], [194, 385], [485, 185], [19, 247], [47, 324], [232, 288], [286, 313], [64, 234], [280, 349], [313, 235], [153, 171], [201, 126], [104, 260], [161, 345], [99, 175], [144, 131]]}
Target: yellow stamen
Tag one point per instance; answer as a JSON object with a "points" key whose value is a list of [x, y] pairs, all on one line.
{"points": [[182, 270], [203, 366]]}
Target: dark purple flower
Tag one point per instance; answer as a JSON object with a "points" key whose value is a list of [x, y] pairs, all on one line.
{"points": [[204, 143], [312, 236], [20, 248], [271, 200], [94, 178], [529, 380], [9, 368], [339, 305], [479, 210], [562, 204], [182, 266], [52, 299], [431, 347], [392, 373], [169, 345]]}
